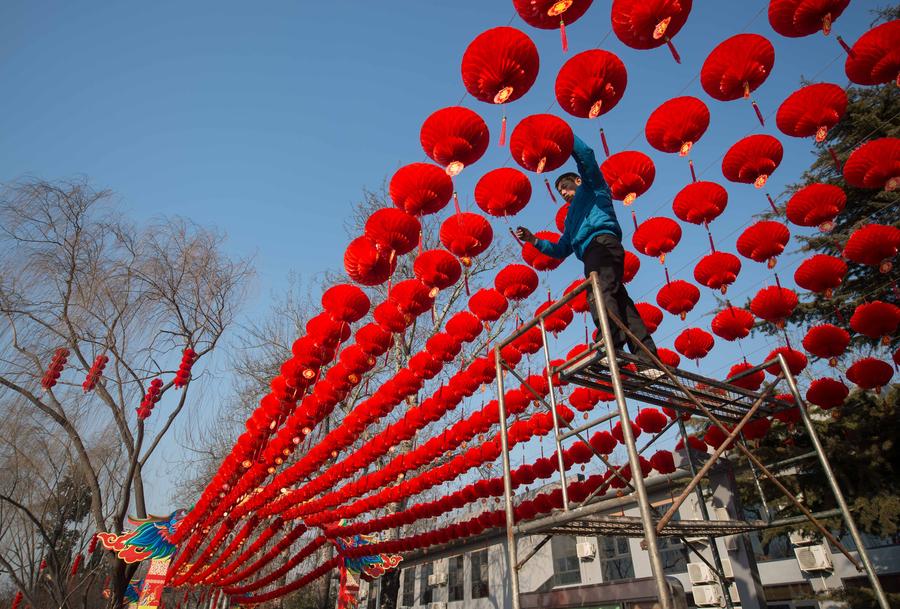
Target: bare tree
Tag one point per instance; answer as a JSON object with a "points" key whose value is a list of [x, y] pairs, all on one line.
{"points": [[75, 275]]}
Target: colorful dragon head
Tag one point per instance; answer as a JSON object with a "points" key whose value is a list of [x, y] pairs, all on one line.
{"points": [[151, 538]]}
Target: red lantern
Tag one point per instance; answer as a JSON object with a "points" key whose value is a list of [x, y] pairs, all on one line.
{"points": [[557, 321], [796, 361], [677, 124], [821, 273], [874, 59], [464, 326], [651, 420], [876, 320], [541, 142], [700, 202], [603, 442], [372, 339], [393, 230], [827, 393], [875, 164], [752, 160], [420, 189], [438, 269], [560, 219], [579, 304], [537, 260], [466, 235], [763, 241], [443, 346], [873, 245], [694, 343], [796, 18], [629, 174], [678, 297], [345, 302], [648, 24], [454, 137], [96, 371], [751, 381], [756, 429], [632, 266], [503, 192], [870, 373], [366, 264], [656, 237], [390, 318], [717, 270], [737, 66], [816, 205], [812, 110], [732, 323], [57, 363], [411, 297], [620, 437], [668, 357], [500, 65], [650, 315], [488, 305], [516, 281], [826, 341], [552, 14], [663, 462], [591, 83], [774, 304]]}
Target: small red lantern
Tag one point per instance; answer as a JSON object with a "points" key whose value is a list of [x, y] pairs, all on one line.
{"points": [[420, 188], [827, 393], [812, 110], [503, 192], [516, 281], [752, 381], [796, 18], [454, 137], [752, 160], [663, 462], [677, 124], [591, 83], [629, 174], [700, 202], [656, 237], [694, 343], [870, 373], [632, 266], [774, 304], [816, 205], [873, 245], [579, 304], [411, 297], [648, 24], [678, 297], [820, 274], [535, 259], [826, 341], [717, 270], [651, 420], [560, 218], [650, 315], [500, 65], [668, 357], [875, 164], [732, 323], [464, 326], [763, 241], [541, 142], [877, 320], [874, 59], [557, 321]]}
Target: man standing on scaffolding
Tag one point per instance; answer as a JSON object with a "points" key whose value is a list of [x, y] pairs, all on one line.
{"points": [[593, 234]]}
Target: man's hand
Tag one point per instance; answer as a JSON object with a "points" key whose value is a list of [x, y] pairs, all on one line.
{"points": [[525, 235]]}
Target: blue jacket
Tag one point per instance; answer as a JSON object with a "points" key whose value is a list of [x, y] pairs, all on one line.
{"points": [[591, 212]]}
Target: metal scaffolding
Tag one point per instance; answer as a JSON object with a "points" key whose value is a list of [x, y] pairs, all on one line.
{"points": [[724, 405]]}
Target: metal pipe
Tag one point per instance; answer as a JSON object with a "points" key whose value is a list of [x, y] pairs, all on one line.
{"points": [[507, 485], [555, 416], [544, 314], [835, 488], [588, 425], [656, 567]]}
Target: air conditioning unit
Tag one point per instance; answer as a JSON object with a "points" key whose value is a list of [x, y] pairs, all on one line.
{"points": [[813, 558], [437, 579], [439, 605], [700, 573], [733, 593], [586, 550], [707, 596], [802, 538]]}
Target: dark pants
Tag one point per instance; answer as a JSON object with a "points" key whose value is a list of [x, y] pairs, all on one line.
{"points": [[606, 257]]}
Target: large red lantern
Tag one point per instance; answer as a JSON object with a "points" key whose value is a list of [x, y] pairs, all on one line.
{"points": [[737, 66], [826, 341], [656, 237], [827, 393], [500, 65], [557, 321], [875, 59], [516, 281], [579, 304], [774, 304], [821, 274], [420, 188], [393, 230], [717, 270], [366, 264], [875, 164], [454, 137], [591, 83], [629, 174], [678, 297], [763, 241], [346, 303], [535, 259], [552, 14], [648, 24], [372, 339], [632, 266], [732, 323], [750, 381], [694, 343], [877, 320], [651, 420], [752, 160], [677, 124], [700, 202], [816, 205], [650, 315], [812, 110], [870, 373], [390, 318], [796, 18], [873, 245], [541, 142], [466, 235], [464, 326], [503, 192], [438, 269], [488, 304]]}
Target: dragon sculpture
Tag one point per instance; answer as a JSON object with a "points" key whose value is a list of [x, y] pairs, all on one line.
{"points": [[150, 539]]}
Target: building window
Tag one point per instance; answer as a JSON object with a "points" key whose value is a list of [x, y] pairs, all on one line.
{"points": [[566, 566], [672, 550], [478, 562], [425, 590], [455, 586], [409, 587], [615, 558]]}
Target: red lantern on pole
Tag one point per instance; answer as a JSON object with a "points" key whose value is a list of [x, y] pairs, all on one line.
{"points": [[874, 59], [420, 189], [752, 160], [591, 83], [873, 245], [870, 373], [629, 174], [875, 164], [694, 343], [877, 320], [816, 205], [648, 24], [763, 241], [541, 142], [656, 237], [503, 192], [774, 304], [516, 281], [821, 274], [454, 137], [500, 65], [797, 18], [732, 323], [678, 297], [677, 124], [552, 14], [535, 259], [717, 270], [700, 202], [826, 341], [812, 110]]}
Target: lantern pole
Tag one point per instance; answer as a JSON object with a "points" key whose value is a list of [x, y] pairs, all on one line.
{"points": [[637, 479], [555, 416], [512, 551], [835, 489]]}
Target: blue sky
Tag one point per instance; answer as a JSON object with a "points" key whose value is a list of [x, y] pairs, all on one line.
{"points": [[267, 120]]}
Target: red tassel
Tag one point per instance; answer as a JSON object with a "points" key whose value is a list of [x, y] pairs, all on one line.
{"points": [[562, 34], [634, 219], [466, 281], [549, 190], [834, 158], [420, 242], [456, 202], [846, 48], [712, 246], [777, 281], [758, 114], [503, 131], [772, 203], [837, 313], [603, 141], [666, 269], [672, 50], [693, 175]]}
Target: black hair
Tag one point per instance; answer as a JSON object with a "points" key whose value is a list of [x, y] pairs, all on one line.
{"points": [[566, 176]]}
